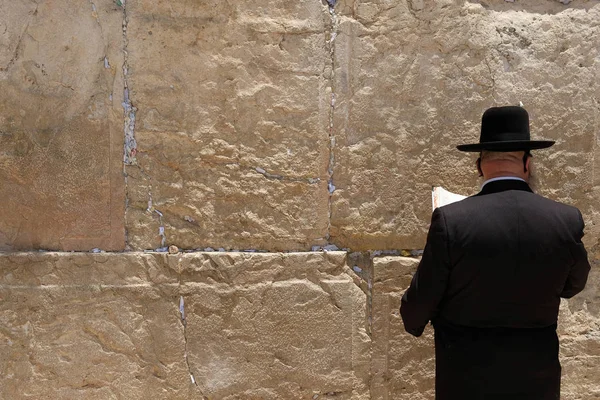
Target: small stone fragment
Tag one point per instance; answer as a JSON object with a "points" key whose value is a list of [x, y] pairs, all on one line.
{"points": [[331, 187], [182, 308], [173, 249]]}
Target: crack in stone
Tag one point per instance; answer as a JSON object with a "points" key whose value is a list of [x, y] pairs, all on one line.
{"points": [[331, 134], [361, 263], [130, 146], [161, 231], [492, 77], [285, 178], [20, 41], [97, 18], [129, 115], [185, 354]]}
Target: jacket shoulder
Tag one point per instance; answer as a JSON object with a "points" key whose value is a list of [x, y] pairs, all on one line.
{"points": [[477, 205]]}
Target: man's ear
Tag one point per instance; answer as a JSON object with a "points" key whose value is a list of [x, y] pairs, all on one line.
{"points": [[478, 163], [526, 159]]}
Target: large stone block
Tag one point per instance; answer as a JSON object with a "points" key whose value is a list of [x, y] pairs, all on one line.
{"points": [[412, 80], [61, 125], [403, 367], [275, 326], [90, 327], [233, 103], [185, 326]]}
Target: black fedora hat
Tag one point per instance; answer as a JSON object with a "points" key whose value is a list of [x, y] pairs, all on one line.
{"points": [[505, 129]]}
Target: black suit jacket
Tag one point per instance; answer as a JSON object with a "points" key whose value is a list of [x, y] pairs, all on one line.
{"points": [[492, 274], [501, 258]]}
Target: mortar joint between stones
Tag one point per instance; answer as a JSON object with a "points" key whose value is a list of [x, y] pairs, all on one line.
{"points": [[331, 133]]}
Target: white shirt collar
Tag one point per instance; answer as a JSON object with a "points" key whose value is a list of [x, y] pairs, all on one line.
{"points": [[500, 178]]}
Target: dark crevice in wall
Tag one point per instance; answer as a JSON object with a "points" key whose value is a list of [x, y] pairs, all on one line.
{"points": [[129, 116], [372, 253], [130, 147], [333, 28]]}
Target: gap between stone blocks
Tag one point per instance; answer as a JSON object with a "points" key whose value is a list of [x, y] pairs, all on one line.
{"points": [[331, 133]]}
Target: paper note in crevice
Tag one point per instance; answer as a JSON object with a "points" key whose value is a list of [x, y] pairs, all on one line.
{"points": [[441, 197]]}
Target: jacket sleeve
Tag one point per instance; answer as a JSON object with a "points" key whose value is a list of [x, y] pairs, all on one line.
{"points": [[580, 269], [420, 302]]}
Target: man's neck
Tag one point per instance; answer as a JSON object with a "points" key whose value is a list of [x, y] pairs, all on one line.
{"points": [[503, 177]]}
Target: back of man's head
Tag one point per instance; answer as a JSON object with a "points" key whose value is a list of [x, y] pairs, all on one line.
{"points": [[510, 156], [494, 164]]}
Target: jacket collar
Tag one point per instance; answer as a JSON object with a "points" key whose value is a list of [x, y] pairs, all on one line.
{"points": [[503, 185]]}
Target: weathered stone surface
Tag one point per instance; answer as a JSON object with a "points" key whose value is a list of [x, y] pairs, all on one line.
{"points": [[579, 332], [234, 104], [274, 326], [97, 326], [412, 80], [90, 327], [61, 125], [403, 366], [232, 124]]}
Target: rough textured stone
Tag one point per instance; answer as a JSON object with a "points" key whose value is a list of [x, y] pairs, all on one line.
{"points": [[233, 145], [233, 108], [579, 333], [136, 325], [412, 80], [244, 325], [61, 125], [90, 327], [403, 366], [274, 326]]}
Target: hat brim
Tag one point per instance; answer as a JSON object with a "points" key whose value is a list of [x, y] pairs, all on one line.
{"points": [[512, 145]]}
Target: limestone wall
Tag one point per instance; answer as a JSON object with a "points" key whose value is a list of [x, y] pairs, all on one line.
{"points": [[269, 130]]}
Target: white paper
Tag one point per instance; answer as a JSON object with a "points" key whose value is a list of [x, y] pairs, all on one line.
{"points": [[441, 197]]}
